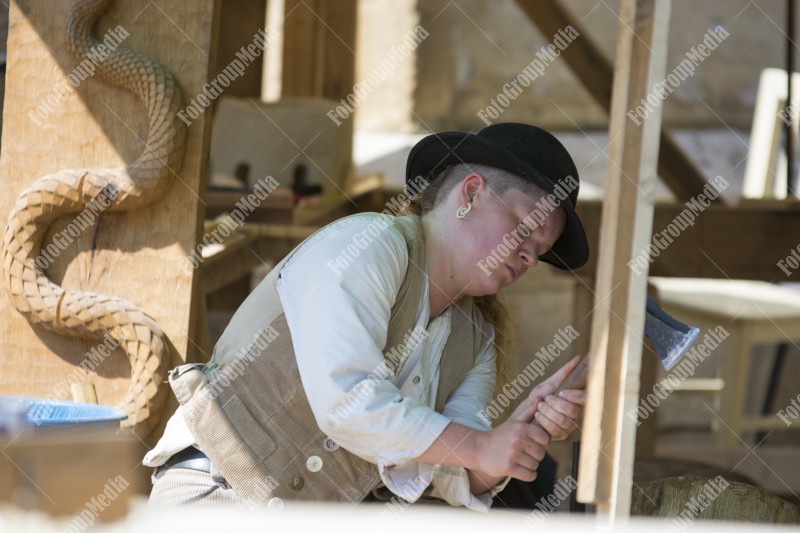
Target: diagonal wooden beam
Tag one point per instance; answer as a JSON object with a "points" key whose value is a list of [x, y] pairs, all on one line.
{"points": [[596, 72]]}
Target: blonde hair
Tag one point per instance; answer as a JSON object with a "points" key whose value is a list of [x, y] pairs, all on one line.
{"points": [[493, 310]]}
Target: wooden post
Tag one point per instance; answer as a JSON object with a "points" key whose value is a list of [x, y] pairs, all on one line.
{"points": [[138, 255], [319, 48], [606, 459]]}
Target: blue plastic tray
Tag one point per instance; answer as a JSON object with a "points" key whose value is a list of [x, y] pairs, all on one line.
{"points": [[42, 412]]}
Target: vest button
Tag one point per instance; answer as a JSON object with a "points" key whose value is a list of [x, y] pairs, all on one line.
{"points": [[296, 482], [275, 504], [314, 463], [329, 445], [415, 380]]}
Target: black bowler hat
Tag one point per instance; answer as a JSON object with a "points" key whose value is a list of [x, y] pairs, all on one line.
{"points": [[527, 151]]}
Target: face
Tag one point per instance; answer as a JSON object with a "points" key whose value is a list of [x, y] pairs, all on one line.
{"points": [[507, 234]]}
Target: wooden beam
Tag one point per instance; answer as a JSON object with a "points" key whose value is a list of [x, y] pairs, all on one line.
{"points": [[238, 25], [607, 450], [738, 242], [339, 57], [744, 242], [595, 71], [319, 42]]}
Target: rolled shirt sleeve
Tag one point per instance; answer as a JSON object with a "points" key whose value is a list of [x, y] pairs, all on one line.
{"points": [[337, 294], [466, 406]]}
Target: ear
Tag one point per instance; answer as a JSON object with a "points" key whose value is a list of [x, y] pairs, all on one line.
{"points": [[471, 186]]}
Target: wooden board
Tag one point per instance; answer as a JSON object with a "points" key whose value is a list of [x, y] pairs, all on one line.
{"points": [[137, 255], [743, 242], [607, 450]]}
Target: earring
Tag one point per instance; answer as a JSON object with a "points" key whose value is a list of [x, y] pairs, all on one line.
{"points": [[463, 210]]}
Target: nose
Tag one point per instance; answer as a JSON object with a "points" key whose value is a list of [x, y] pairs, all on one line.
{"points": [[529, 258]]}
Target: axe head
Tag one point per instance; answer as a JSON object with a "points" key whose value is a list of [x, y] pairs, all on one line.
{"points": [[670, 337]]}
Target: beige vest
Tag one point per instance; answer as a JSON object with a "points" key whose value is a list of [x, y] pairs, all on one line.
{"points": [[249, 412]]}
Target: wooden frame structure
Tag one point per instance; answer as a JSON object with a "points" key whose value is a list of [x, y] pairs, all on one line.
{"points": [[607, 451], [321, 66]]}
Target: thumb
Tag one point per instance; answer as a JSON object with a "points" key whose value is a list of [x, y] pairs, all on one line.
{"points": [[526, 413]]}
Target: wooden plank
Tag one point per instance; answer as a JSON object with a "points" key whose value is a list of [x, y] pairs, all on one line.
{"points": [[135, 255], [582, 308], [595, 71], [607, 450], [744, 242]]}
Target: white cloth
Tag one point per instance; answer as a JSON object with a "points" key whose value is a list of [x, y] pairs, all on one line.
{"points": [[337, 292]]}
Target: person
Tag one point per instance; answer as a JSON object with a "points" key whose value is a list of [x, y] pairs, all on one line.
{"points": [[361, 367]]}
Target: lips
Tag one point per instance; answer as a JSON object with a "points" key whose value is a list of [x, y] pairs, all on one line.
{"points": [[512, 272]]}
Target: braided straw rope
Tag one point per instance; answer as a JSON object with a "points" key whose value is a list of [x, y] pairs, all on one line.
{"points": [[67, 192]]}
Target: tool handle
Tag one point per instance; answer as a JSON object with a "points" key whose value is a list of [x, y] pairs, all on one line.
{"points": [[575, 380]]}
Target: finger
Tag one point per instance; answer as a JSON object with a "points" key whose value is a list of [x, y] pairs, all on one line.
{"points": [[561, 420], [568, 409], [555, 431], [538, 434], [526, 412], [573, 395], [523, 474], [529, 458]]}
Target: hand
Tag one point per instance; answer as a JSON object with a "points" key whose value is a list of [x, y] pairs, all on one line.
{"points": [[556, 414], [513, 449]]}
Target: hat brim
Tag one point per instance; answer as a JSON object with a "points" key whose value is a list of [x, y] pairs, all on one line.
{"points": [[435, 152]]}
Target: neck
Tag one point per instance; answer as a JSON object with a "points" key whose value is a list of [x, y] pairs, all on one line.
{"points": [[442, 290]]}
